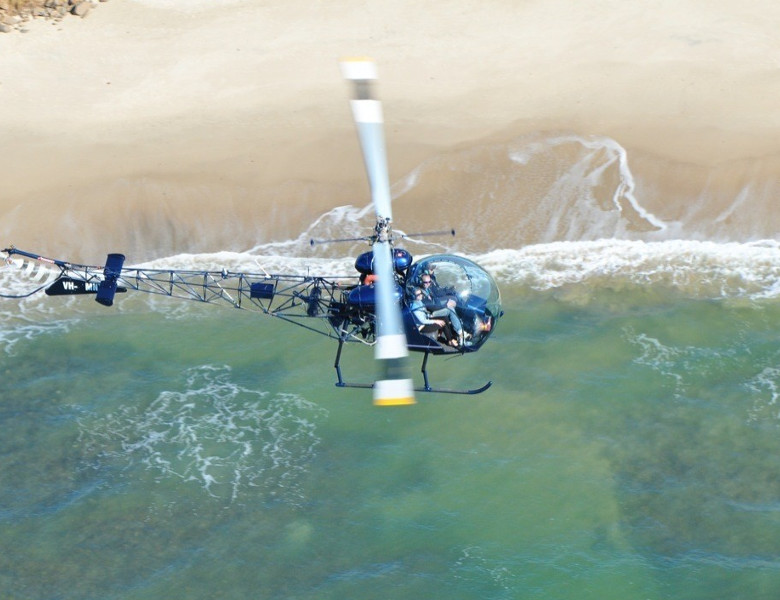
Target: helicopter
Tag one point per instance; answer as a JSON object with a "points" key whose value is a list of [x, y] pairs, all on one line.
{"points": [[383, 309]]}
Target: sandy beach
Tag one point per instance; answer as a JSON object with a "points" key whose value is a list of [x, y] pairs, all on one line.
{"points": [[182, 125]]}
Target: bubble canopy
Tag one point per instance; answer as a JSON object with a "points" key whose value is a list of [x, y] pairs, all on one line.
{"points": [[473, 288]]}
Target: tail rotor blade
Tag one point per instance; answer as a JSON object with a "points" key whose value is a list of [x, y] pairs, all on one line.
{"points": [[393, 387]]}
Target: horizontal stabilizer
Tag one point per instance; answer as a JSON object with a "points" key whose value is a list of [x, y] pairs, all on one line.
{"points": [[111, 272]]}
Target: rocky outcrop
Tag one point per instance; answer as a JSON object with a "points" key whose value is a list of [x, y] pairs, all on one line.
{"points": [[15, 14]]}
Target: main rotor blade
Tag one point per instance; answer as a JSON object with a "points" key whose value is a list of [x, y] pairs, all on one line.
{"points": [[369, 120], [393, 386]]}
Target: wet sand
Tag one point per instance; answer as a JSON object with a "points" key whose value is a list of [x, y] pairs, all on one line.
{"points": [[150, 128]]}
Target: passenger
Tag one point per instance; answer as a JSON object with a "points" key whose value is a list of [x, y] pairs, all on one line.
{"points": [[425, 323], [480, 326], [431, 323], [448, 311]]}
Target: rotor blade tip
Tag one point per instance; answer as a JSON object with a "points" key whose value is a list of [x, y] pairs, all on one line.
{"points": [[394, 392], [356, 69]]}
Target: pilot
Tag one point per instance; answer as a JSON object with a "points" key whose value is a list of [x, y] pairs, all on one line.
{"points": [[427, 288]]}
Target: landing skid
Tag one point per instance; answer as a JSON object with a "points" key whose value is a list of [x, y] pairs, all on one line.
{"points": [[426, 388]]}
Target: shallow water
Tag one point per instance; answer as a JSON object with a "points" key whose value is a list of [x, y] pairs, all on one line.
{"points": [[626, 450]]}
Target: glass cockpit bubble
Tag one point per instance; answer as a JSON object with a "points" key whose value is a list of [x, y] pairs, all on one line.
{"points": [[478, 300]]}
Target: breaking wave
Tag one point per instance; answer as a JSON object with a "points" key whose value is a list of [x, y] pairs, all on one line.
{"points": [[215, 434], [697, 269], [694, 269], [765, 386]]}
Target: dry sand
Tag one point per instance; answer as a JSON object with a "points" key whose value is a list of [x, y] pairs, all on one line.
{"points": [[175, 107]]}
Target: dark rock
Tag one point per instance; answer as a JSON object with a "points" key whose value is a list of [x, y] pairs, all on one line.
{"points": [[81, 9]]}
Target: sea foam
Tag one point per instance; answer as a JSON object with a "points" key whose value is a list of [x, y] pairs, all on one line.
{"points": [[214, 433], [694, 268]]}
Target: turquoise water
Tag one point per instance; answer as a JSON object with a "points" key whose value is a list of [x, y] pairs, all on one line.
{"points": [[627, 450]]}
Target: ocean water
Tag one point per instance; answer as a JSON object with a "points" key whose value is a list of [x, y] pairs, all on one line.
{"points": [[627, 449]]}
